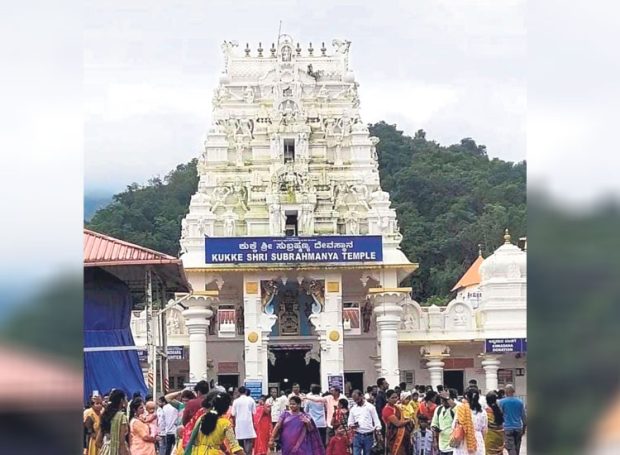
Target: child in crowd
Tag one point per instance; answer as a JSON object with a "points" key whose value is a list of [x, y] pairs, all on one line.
{"points": [[150, 418], [339, 444], [423, 438]]}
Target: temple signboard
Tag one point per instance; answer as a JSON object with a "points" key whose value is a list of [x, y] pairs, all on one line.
{"points": [[251, 250]]}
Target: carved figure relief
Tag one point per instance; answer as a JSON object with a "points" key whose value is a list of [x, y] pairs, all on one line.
{"points": [[248, 95], [287, 52], [269, 289], [229, 224], [240, 321], [410, 320], [213, 321], [367, 316], [288, 313], [316, 290]]}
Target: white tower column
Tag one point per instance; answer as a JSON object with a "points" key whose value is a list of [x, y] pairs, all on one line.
{"points": [[256, 332], [328, 327], [435, 367], [490, 365], [197, 322], [388, 309], [435, 353]]}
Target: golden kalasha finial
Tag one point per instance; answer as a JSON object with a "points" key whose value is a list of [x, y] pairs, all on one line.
{"points": [[323, 49], [273, 50], [310, 50], [480, 249], [260, 49], [298, 50], [247, 49], [506, 236]]}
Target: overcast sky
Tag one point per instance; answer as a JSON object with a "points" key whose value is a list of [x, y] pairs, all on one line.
{"points": [[453, 68]]}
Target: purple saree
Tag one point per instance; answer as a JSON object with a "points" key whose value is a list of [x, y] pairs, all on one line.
{"points": [[296, 438]]}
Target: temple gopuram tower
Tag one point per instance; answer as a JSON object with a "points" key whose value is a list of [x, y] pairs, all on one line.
{"points": [[290, 244]]}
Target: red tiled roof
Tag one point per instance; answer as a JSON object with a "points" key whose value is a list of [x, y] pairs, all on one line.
{"points": [[102, 250], [471, 277]]}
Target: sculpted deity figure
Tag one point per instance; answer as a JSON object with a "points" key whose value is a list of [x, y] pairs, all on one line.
{"points": [[409, 320], [286, 53], [248, 95], [229, 224], [353, 225], [360, 191], [275, 220], [307, 220], [342, 46], [276, 147], [459, 316], [302, 146], [240, 321], [213, 322], [367, 316]]}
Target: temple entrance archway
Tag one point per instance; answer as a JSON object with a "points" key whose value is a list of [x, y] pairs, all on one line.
{"points": [[292, 365]]}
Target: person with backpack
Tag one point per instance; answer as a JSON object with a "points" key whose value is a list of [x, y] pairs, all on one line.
{"points": [[441, 423]]}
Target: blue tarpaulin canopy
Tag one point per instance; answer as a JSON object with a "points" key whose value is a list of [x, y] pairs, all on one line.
{"points": [[110, 358]]}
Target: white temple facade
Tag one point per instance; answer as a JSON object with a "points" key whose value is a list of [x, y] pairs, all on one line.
{"points": [[292, 247]]}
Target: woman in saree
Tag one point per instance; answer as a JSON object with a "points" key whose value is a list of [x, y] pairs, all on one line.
{"points": [[92, 419], [298, 433], [213, 431], [494, 439], [262, 426], [465, 419], [397, 429], [113, 426], [140, 440]]}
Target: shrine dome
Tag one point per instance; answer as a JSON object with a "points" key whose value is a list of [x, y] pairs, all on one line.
{"points": [[508, 262]]}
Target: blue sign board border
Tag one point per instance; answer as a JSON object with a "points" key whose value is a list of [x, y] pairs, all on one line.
{"points": [[291, 250]]}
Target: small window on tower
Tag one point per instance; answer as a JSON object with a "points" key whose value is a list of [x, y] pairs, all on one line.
{"points": [[289, 150], [290, 228]]}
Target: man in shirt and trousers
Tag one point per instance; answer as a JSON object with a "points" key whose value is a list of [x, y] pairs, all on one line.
{"points": [[277, 405], [442, 421], [381, 400], [167, 419], [514, 420], [363, 419], [243, 411]]}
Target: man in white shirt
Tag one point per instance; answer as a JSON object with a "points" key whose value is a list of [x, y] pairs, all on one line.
{"points": [[363, 419], [277, 405], [297, 393], [167, 420], [243, 411]]}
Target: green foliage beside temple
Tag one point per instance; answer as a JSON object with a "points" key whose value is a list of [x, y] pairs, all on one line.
{"points": [[448, 200]]}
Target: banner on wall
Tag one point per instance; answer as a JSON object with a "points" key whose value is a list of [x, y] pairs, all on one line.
{"points": [[251, 250]]}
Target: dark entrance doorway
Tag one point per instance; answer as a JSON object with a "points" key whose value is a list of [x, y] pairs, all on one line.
{"points": [[356, 381], [290, 367], [228, 380], [454, 379]]}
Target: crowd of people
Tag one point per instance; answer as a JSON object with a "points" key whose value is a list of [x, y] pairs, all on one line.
{"points": [[209, 420]]}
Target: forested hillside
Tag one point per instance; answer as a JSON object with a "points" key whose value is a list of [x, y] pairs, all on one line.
{"points": [[448, 199]]}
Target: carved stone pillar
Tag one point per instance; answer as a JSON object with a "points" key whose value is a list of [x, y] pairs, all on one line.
{"points": [[197, 317], [490, 365], [388, 309], [435, 353], [329, 328], [257, 328]]}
